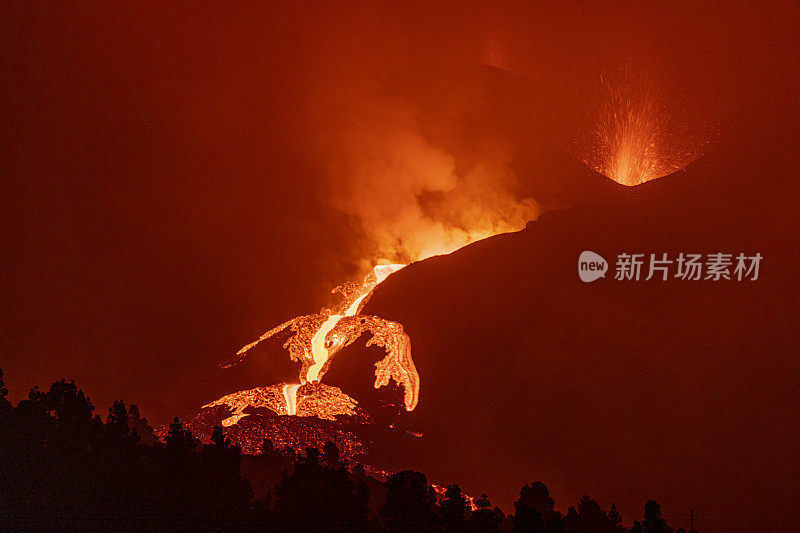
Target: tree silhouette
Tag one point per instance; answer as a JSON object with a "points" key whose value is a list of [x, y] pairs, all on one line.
{"points": [[117, 416], [179, 438], [58, 449], [484, 518], [141, 426], [178, 470], [534, 511], [62, 465], [653, 521], [410, 503], [589, 518], [317, 497], [71, 408], [615, 519], [225, 494], [5, 405], [454, 510], [330, 455]]}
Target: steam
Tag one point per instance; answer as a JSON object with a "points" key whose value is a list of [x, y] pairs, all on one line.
{"points": [[409, 196]]}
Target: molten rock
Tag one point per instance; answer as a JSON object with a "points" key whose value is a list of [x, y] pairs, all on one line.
{"points": [[324, 413]]}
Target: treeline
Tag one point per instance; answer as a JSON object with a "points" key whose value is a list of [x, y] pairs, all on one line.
{"points": [[62, 467]]}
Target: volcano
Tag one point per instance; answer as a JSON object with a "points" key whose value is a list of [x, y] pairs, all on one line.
{"points": [[681, 390], [659, 387], [686, 391]]}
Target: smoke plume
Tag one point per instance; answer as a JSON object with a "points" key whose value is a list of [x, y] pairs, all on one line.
{"points": [[409, 194]]}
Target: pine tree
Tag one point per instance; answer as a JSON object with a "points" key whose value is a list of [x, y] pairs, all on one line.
{"points": [[615, 519], [141, 426], [5, 405], [410, 503], [226, 494], [318, 497], [484, 518], [454, 509], [535, 510]]}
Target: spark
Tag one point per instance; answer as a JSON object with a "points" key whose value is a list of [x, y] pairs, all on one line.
{"points": [[637, 138]]}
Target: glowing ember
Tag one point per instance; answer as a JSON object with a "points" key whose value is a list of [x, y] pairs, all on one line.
{"points": [[322, 401], [316, 338], [636, 138], [324, 414], [290, 397]]}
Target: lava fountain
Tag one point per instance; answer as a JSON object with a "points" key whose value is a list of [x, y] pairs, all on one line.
{"points": [[637, 137]]}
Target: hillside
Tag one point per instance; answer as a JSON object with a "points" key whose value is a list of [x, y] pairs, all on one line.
{"points": [[680, 390]]}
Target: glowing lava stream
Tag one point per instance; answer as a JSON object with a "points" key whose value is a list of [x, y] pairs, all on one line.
{"points": [[290, 396], [321, 348]]}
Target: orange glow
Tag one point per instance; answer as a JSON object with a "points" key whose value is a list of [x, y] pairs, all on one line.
{"points": [[322, 401], [290, 397], [316, 338], [636, 139]]}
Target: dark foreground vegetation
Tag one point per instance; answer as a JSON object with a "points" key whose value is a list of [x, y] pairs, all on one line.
{"points": [[63, 468]]}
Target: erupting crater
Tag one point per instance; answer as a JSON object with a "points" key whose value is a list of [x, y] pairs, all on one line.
{"points": [[636, 136]]}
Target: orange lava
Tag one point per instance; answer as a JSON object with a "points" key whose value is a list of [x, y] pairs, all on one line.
{"points": [[637, 137], [316, 338]]}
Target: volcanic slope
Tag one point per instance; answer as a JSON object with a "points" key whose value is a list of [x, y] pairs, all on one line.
{"points": [[683, 391]]}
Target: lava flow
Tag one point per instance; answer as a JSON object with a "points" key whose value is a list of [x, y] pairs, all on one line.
{"points": [[316, 338]]}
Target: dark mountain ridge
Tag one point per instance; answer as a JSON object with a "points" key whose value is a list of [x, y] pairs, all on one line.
{"points": [[682, 390]]}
